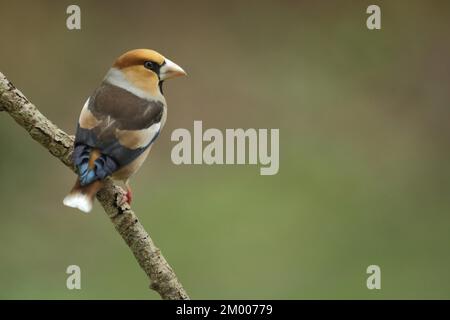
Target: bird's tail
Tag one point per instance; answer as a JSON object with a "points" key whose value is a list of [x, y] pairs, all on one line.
{"points": [[82, 194], [82, 197]]}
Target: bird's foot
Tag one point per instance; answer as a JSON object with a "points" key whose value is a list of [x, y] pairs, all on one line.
{"points": [[125, 198], [129, 196]]}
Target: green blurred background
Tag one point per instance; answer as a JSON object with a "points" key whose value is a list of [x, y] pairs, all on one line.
{"points": [[364, 150]]}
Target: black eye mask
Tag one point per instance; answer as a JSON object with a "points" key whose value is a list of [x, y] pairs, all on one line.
{"points": [[153, 66]]}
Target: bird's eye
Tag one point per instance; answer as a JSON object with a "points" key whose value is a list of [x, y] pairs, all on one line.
{"points": [[149, 65]]}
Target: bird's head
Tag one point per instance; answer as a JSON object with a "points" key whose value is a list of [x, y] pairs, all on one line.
{"points": [[147, 69]]}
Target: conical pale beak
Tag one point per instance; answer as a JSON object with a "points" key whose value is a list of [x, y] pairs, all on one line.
{"points": [[170, 70]]}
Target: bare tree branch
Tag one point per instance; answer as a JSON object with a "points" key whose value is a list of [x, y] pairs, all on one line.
{"points": [[162, 277]]}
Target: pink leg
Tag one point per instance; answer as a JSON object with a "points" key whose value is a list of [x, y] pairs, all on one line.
{"points": [[129, 194]]}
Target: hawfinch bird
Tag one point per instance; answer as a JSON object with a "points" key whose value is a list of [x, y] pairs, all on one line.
{"points": [[119, 123]]}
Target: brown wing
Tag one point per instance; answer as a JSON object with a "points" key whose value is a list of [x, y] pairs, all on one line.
{"points": [[120, 117]]}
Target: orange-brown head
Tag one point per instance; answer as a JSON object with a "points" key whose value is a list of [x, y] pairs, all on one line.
{"points": [[147, 69]]}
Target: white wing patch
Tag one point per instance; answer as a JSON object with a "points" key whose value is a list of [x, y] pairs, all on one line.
{"points": [[134, 139], [87, 119]]}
